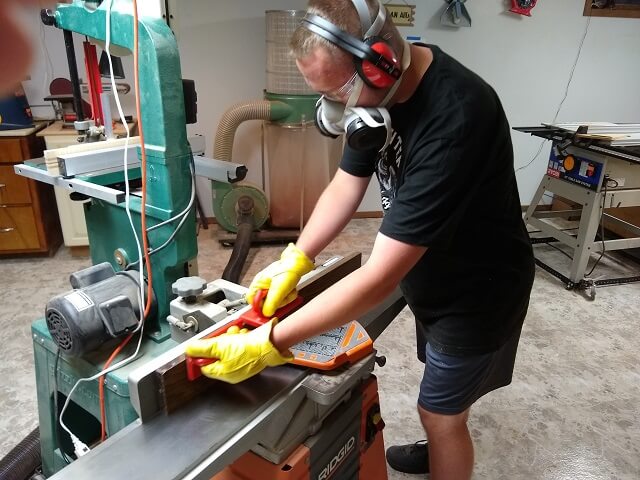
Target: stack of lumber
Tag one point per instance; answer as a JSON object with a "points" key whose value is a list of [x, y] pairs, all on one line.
{"points": [[614, 134]]}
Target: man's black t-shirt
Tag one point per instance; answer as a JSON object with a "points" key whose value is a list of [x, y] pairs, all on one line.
{"points": [[447, 182]]}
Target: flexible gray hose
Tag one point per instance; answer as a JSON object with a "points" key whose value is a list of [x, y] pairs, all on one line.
{"points": [[23, 459], [222, 148], [231, 119]]}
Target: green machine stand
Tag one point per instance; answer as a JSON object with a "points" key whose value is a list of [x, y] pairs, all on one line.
{"points": [[83, 414], [169, 183]]}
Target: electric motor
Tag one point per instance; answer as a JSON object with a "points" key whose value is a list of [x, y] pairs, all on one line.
{"points": [[102, 305]]}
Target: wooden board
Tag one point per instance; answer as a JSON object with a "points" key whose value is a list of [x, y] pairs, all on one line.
{"points": [[59, 129], [51, 156], [173, 387]]}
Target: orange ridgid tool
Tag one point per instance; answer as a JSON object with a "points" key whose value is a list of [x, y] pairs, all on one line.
{"points": [[251, 319]]}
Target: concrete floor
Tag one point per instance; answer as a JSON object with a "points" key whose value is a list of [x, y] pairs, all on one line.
{"points": [[572, 411]]}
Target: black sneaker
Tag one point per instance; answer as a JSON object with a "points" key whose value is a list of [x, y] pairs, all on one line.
{"points": [[412, 458]]}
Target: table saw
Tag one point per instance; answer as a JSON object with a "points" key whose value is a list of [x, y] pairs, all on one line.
{"points": [[590, 172]]}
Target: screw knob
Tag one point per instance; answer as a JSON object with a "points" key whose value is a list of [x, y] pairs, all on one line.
{"points": [[48, 17], [188, 286], [381, 360]]}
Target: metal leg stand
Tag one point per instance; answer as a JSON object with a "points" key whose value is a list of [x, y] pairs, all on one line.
{"points": [[589, 223], [583, 244]]}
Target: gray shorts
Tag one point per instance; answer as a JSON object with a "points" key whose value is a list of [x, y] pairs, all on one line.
{"points": [[451, 384]]}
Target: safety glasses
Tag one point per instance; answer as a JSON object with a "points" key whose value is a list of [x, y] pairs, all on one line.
{"points": [[342, 93]]}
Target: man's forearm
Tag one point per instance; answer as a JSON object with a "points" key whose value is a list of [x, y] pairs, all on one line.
{"points": [[332, 212], [352, 296]]}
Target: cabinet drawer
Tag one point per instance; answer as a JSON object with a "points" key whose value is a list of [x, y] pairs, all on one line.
{"points": [[18, 229], [13, 188], [10, 150]]}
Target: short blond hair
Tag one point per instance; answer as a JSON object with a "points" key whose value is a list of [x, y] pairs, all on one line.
{"points": [[343, 14]]}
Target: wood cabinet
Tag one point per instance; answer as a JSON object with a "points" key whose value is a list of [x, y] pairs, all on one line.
{"points": [[71, 213], [28, 213]]}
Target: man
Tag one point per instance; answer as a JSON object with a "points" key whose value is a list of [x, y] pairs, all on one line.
{"points": [[452, 236]]}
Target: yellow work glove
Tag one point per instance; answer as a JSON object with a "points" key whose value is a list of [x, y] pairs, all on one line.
{"points": [[280, 279], [240, 354]]}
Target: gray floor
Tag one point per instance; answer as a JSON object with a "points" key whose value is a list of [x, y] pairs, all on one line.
{"points": [[572, 412]]}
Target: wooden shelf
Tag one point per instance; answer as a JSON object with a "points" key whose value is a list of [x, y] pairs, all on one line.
{"points": [[619, 10], [29, 221]]}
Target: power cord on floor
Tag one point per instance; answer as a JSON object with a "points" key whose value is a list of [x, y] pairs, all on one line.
{"points": [[559, 249]]}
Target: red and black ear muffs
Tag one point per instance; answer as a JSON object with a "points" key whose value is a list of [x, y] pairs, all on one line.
{"points": [[375, 61], [384, 69]]}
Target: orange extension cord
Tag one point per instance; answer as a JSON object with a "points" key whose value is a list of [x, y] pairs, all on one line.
{"points": [[143, 220]]}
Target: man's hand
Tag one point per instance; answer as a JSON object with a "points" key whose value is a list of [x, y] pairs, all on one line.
{"points": [[241, 354], [280, 279]]}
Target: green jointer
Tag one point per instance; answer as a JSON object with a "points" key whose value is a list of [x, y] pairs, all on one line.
{"points": [[168, 193]]}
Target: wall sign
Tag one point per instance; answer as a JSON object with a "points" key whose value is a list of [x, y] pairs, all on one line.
{"points": [[612, 8], [402, 15]]}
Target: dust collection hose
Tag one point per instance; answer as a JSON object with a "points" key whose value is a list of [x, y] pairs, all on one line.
{"points": [[234, 116], [222, 150], [23, 459], [241, 247]]}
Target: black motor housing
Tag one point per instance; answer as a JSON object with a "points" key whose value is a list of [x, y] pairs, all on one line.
{"points": [[103, 305]]}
